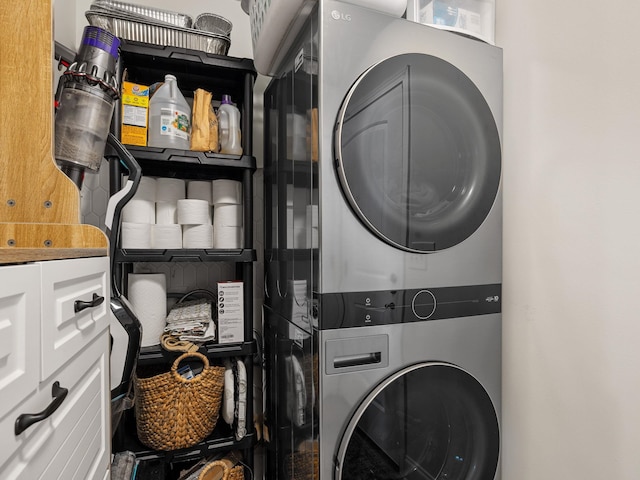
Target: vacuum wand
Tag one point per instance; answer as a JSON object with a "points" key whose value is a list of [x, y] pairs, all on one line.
{"points": [[86, 104]]}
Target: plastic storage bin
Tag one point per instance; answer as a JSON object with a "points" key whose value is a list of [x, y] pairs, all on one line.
{"points": [[475, 18]]}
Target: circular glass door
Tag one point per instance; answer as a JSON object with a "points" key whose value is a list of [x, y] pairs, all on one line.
{"points": [[418, 153], [430, 421]]}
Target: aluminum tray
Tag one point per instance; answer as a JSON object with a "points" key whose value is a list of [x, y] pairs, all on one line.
{"points": [[210, 22], [127, 28], [159, 15]]}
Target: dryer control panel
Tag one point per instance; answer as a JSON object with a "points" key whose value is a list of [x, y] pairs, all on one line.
{"points": [[360, 309]]}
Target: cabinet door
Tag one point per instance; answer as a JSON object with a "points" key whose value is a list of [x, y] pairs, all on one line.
{"points": [[74, 308], [73, 442], [19, 334]]}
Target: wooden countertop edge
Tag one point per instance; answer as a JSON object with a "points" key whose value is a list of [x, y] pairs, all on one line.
{"points": [[24, 255]]}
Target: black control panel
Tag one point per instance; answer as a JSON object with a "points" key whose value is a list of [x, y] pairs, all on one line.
{"points": [[360, 309]]}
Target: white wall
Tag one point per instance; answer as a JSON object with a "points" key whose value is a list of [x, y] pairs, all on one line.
{"points": [[64, 26], [571, 231]]}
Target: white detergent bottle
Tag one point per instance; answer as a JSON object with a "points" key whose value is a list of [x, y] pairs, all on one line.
{"points": [[229, 127], [169, 117]]}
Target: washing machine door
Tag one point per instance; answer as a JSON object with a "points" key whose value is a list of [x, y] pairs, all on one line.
{"points": [[429, 421], [418, 153]]}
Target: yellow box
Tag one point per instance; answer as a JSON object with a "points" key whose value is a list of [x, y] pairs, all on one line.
{"points": [[135, 114]]}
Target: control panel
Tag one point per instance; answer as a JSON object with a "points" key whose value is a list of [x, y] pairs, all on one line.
{"points": [[359, 309]]}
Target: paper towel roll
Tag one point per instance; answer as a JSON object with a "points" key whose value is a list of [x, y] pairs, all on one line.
{"points": [[226, 215], [166, 213], [138, 210], [148, 297], [194, 212], [227, 237], [166, 236], [226, 191], [199, 190], [146, 189], [197, 236], [135, 235], [170, 189]]}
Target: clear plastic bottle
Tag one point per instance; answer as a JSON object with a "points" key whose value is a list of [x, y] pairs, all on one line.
{"points": [[169, 117], [229, 127]]}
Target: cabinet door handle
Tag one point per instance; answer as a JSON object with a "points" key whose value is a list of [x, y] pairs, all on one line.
{"points": [[25, 420], [80, 305]]}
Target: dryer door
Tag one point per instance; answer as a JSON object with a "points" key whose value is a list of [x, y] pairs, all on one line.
{"points": [[429, 421], [418, 153]]}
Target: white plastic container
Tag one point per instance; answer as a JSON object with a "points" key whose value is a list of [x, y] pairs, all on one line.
{"points": [[229, 127], [169, 117], [475, 18]]}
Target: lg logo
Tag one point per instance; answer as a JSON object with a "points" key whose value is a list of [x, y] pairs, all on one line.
{"points": [[340, 16]]}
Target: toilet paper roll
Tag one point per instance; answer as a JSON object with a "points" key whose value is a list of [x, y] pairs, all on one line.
{"points": [[138, 210], [226, 215], [146, 189], [135, 235], [227, 237], [194, 212], [226, 191], [199, 190], [148, 297], [166, 236], [170, 189], [197, 236], [166, 213]]}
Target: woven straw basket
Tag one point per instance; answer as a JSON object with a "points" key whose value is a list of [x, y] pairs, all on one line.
{"points": [[173, 412], [210, 470], [303, 464]]}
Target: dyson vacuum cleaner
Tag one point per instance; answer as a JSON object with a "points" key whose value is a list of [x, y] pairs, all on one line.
{"points": [[85, 102]]}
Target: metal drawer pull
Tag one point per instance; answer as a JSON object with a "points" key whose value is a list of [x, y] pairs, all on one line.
{"points": [[25, 420], [79, 305], [355, 360]]}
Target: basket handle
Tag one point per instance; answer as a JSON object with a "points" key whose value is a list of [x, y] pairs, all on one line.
{"points": [[176, 363], [216, 463]]}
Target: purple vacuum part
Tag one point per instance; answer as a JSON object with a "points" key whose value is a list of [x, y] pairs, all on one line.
{"points": [[99, 38]]}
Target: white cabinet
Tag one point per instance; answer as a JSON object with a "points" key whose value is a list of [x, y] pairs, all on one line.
{"points": [[74, 308], [19, 335], [54, 370]]}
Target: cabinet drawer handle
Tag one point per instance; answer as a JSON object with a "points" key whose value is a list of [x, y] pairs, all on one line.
{"points": [[25, 420], [79, 305]]}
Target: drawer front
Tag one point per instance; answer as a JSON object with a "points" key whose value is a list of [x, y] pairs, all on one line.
{"points": [[73, 443], [19, 334], [69, 321]]}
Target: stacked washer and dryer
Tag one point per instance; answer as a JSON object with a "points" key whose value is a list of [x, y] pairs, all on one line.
{"points": [[383, 228]]}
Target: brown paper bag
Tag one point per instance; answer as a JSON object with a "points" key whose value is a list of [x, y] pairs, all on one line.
{"points": [[204, 123]]}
